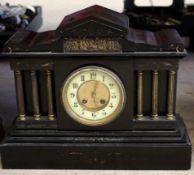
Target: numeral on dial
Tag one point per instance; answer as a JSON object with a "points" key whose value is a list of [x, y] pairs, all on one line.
{"points": [[114, 96], [104, 112], [93, 114], [103, 78], [76, 105], [72, 95], [93, 76], [111, 105], [82, 78], [111, 85], [75, 85], [83, 112]]}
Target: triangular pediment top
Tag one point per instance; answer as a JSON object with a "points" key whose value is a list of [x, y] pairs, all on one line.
{"points": [[114, 22]]}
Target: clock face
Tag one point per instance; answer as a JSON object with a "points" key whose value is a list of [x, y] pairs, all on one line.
{"points": [[93, 96]]}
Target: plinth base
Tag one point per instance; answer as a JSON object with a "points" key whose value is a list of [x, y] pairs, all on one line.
{"points": [[121, 150]]}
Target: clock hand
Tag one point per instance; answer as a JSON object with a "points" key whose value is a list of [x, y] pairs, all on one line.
{"points": [[94, 94]]}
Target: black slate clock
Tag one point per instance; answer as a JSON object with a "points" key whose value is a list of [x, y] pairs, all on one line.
{"points": [[96, 94]]}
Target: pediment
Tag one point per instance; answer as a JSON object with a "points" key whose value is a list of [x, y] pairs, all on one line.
{"points": [[94, 21], [93, 27]]}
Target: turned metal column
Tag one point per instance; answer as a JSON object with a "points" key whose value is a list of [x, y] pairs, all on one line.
{"points": [[51, 114], [139, 95], [35, 96], [20, 95], [171, 93], [155, 94]]}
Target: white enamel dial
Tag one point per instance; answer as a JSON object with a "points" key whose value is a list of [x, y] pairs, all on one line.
{"points": [[93, 96]]}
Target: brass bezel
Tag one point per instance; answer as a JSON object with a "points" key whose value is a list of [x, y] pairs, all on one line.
{"points": [[77, 117]]}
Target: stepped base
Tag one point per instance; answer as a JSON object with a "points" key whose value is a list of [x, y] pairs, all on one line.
{"points": [[108, 150]]}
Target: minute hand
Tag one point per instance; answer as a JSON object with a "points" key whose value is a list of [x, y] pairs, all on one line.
{"points": [[94, 94]]}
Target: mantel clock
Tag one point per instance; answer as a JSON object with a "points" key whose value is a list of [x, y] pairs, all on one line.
{"points": [[96, 94]]}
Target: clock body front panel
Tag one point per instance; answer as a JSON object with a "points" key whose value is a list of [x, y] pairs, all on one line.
{"points": [[93, 94]]}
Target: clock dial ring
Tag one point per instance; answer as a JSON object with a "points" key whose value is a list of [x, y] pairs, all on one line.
{"points": [[103, 100]]}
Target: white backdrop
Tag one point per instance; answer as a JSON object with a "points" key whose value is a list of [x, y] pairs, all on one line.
{"points": [[55, 10]]}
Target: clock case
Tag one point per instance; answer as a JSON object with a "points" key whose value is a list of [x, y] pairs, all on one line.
{"points": [[101, 37]]}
